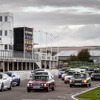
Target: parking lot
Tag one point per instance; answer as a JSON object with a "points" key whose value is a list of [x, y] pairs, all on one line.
{"points": [[62, 92]]}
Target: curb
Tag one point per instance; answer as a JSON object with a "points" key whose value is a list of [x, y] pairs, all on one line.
{"points": [[74, 96]]}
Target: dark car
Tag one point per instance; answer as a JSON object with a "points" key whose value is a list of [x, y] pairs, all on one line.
{"points": [[95, 75], [15, 78], [43, 82], [80, 79], [90, 71]]}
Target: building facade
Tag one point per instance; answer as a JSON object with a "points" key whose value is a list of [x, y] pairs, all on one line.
{"points": [[6, 31]]}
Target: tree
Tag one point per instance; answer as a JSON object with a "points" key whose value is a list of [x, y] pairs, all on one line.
{"points": [[84, 55], [73, 58]]}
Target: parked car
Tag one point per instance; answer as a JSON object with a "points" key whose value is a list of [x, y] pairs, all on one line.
{"points": [[69, 76], [15, 78], [95, 75], [80, 79], [44, 82], [5, 82]]}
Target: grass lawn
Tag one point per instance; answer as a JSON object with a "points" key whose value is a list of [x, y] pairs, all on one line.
{"points": [[91, 95]]}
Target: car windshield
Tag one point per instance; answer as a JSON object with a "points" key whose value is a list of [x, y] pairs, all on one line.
{"points": [[41, 73], [40, 78], [9, 74], [0, 76], [97, 71], [71, 73], [80, 75]]}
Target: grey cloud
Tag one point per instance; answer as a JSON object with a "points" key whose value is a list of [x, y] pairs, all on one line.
{"points": [[56, 19], [54, 3], [88, 32]]}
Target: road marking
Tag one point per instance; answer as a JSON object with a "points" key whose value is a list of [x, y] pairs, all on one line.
{"points": [[73, 96]]}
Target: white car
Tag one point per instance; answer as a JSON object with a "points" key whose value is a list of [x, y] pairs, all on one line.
{"points": [[5, 82]]}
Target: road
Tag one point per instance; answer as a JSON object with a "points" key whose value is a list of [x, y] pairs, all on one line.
{"points": [[62, 92]]}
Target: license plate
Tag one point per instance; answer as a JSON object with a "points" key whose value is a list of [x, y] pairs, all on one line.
{"points": [[77, 83], [36, 87]]}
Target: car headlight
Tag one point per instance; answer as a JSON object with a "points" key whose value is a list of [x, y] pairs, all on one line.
{"points": [[92, 75], [66, 78], [85, 81], [28, 84], [62, 75], [45, 84], [42, 84], [70, 80]]}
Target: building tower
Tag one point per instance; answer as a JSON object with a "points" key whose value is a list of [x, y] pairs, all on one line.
{"points": [[23, 40], [6, 31]]}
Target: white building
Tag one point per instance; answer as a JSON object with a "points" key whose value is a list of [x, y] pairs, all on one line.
{"points": [[6, 31]]}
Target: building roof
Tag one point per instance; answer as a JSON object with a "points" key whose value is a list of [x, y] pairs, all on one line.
{"points": [[75, 52]]}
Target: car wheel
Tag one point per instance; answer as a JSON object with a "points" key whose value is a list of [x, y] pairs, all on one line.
{"points": [[2, 88], [10, 87], [70, 85], [53, 89], [92, 79], [89, 84], [28, 90], [18, 83], [48, 89]]}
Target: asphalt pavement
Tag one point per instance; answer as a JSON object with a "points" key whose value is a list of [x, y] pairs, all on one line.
{"points": [[62, 92]]}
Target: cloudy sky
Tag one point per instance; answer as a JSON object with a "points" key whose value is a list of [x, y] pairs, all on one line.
{"points": [[66, 22]]}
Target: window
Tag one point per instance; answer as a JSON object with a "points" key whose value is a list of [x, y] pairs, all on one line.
{"points": [[10, 47], [5, 47], [0, 18], [0, 32], [6, 18], [6, 33]]}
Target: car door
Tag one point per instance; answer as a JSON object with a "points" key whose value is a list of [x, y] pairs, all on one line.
{"points": [[5, 81], [51, 82]]}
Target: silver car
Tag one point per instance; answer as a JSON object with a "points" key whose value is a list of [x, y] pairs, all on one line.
{"points": [[5, 82]]}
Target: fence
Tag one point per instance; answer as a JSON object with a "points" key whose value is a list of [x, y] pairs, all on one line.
{"points": [[83, 63], [18, 54]]}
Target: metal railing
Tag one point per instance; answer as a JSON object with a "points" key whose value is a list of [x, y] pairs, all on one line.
{"points": [[4, 54]]}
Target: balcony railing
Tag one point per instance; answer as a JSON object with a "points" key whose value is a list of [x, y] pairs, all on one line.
{"points": [[18, 55]]}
